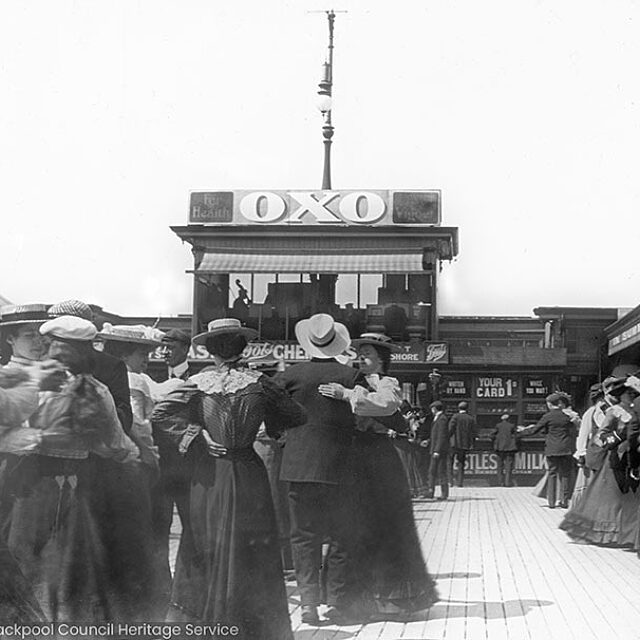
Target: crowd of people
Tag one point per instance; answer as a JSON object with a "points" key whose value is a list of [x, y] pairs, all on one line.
{"points": [[593, 463], [96, 455], [307, 474]]}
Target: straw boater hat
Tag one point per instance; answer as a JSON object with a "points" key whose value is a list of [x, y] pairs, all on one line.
{"points": [[322, 337], [15, 314], [222, 326], [378, 340], [137, 334]]}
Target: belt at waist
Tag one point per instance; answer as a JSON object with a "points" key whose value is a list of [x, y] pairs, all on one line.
{"points": [[240, 453]]}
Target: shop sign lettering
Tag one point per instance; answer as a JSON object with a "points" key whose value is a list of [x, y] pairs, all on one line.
{"points": [[536, 387], [436, 352], [297, 208], [486, 463], [495, 388], [456, 389], [628, 336], [411, 352]]}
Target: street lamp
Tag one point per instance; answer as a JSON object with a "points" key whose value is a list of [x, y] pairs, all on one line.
{"points": [[324, 104]]}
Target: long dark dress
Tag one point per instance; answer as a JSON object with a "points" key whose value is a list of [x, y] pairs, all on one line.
{"points": [[57, 543], [233, 574], [391, 574], [17, 602]]}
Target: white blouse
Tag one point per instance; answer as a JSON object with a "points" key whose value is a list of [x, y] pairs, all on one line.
{"points": [[384, 399]]}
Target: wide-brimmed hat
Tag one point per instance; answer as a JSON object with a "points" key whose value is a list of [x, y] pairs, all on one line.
{"points": [[15, 314], [137, 334], [221, 326], [322, 337], [378, 340]]}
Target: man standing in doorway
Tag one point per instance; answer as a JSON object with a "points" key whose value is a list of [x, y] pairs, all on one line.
{"points": [[462, 428]]}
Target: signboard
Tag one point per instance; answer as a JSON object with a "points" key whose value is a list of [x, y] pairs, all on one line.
{"points": [[411, 352], [536, 387], [535, 407], [459, 387], [254, 352], [298, 208], [291, 351], [489, 387], [436, 352], [496, 408], [485, 463], [626, 338]]}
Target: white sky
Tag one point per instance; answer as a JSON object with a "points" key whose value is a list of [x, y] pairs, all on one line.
{"points": [[525, 114]]}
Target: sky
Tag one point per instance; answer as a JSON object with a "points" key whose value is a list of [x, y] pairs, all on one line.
{"points": [[526, 115]]}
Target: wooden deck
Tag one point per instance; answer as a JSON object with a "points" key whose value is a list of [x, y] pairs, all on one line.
{"points": [[506, 572]]}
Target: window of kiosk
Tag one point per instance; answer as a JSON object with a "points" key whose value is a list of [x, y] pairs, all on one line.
{"points": [[273, 303]]}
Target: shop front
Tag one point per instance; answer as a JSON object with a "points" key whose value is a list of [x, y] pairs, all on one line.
{"points": [[371, 259], [623, 343], [271, 258]]}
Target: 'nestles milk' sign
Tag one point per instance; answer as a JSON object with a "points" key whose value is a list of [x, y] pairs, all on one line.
{"points": [[315, 207]]}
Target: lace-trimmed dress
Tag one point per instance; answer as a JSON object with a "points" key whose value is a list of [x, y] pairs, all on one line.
{"points": [[233, 574], [606, 515]]}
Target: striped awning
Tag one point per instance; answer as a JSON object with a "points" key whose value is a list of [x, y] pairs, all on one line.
{"points": [[301, 262]]}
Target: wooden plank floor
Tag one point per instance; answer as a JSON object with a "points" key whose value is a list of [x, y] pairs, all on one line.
{"points": [[506, 572]]}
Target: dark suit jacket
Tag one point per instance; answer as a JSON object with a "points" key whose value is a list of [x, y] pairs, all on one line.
{"points": [[504, 436], [318, 450], [462, 428], [113, 373], [560, 433], [440, 435]]}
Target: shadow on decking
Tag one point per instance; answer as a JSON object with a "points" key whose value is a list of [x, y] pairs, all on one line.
{"points": [[479, 609], [456, 574], [321, 634], [470, 499]]}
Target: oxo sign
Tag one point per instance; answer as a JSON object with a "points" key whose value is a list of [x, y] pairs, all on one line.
{"points": [[297, 208]]}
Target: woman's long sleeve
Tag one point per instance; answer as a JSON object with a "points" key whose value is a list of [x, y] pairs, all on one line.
{"points": [[384, 398], [17, 404], [583, 434]]}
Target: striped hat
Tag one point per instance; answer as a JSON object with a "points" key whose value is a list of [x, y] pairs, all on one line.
{"points": [[71, 308]]}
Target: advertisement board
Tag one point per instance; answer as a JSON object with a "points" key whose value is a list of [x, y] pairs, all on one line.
{"points": [[298, 208], [485, 463]]}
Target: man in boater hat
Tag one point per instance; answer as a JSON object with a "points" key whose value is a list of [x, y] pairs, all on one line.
{"points": [[314, 465]]}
